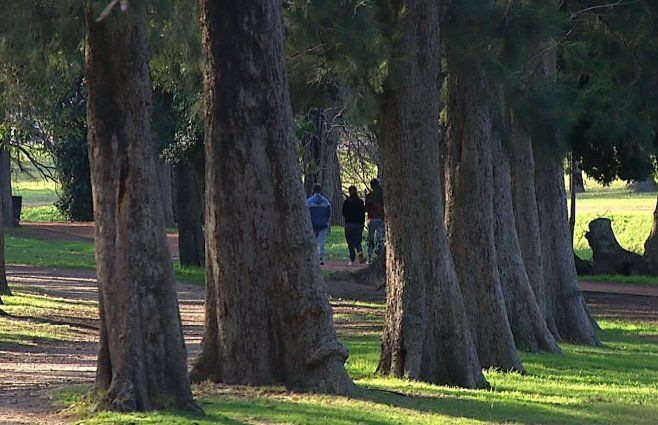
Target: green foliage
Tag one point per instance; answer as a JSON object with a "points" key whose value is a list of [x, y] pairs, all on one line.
{"points": [[71, 156], [607, 62]]}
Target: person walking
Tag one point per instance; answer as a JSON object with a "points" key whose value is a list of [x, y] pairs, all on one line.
{"points": [[354, 212], [320, 209], [375, 208]]}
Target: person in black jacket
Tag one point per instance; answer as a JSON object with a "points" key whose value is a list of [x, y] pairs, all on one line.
{"points": [[354, 212]]}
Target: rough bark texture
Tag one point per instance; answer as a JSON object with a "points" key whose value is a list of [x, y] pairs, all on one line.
{"points": [[567, 315], [526, 216], [651, 246], [4, 285], [268, 318], [142, 356], [608, 256], [426, 333], [470, 217], [163, 174], [525, 317], [565, 305], [5, 190], [189, 215]]}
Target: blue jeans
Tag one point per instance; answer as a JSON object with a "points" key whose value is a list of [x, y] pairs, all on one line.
{"points": [[321, 237]]}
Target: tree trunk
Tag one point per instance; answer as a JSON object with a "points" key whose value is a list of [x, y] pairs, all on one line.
{"points": [[565, 305], [189, 214], [142, 356], [526, 216], [525, 317], [566, 312], [4, 285], [5, 190], [651, 246], [163, 173], [426, 334], [268, 318], [471, 218]]}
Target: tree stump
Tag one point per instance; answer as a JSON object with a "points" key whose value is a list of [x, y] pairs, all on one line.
{"points": [[609, 256]]}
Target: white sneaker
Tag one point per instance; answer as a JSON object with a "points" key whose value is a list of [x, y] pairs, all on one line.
{"points": [[350, 264]]}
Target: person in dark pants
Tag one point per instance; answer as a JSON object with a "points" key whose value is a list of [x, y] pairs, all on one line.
{"points": [[354, 212], [375, 209]]}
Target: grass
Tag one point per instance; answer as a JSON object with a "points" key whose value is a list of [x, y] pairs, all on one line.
{"points": [[20, 327], [39, 196], [614, 384], [22, 248]]}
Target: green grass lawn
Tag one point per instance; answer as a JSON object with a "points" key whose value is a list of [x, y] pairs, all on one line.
{"points": [[610, 385], [21, 248], [39, 196]]}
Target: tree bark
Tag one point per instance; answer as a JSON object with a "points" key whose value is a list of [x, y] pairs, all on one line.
{"points": [[566, 312], [651, 246], [426, 333], [525, 317], [189, 215], [526, 215], [4, 285], [142, 356], [565, 305], [268, 318], [5, 190], [470, 196], [163, 174]]}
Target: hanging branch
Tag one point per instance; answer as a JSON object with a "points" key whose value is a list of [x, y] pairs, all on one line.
{"points": [[110, 7]]}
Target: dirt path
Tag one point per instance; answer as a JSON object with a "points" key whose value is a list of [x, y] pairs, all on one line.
{"points": [[29, 374], [78, 232]]}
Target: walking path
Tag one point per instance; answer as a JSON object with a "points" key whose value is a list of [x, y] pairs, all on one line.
{"points": [[30, 373]]}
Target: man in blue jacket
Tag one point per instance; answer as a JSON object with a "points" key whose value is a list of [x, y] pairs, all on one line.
{"points": [[320, 209]]}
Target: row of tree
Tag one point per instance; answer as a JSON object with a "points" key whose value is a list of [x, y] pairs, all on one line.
{"points": [[467, 284]]}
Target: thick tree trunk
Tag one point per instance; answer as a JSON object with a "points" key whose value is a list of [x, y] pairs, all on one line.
{"points": [[526, 216], [5, 190], [268, 318], [566, 312], [565, 305], [189, 215], [4, 285], [470, 210], [426, 333], [163, 173], [525, 317], [142, 356], [651, 246]]}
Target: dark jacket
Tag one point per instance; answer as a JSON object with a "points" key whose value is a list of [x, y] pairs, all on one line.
{"points": [[320, 209], [354, 211], [375, 204]]}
